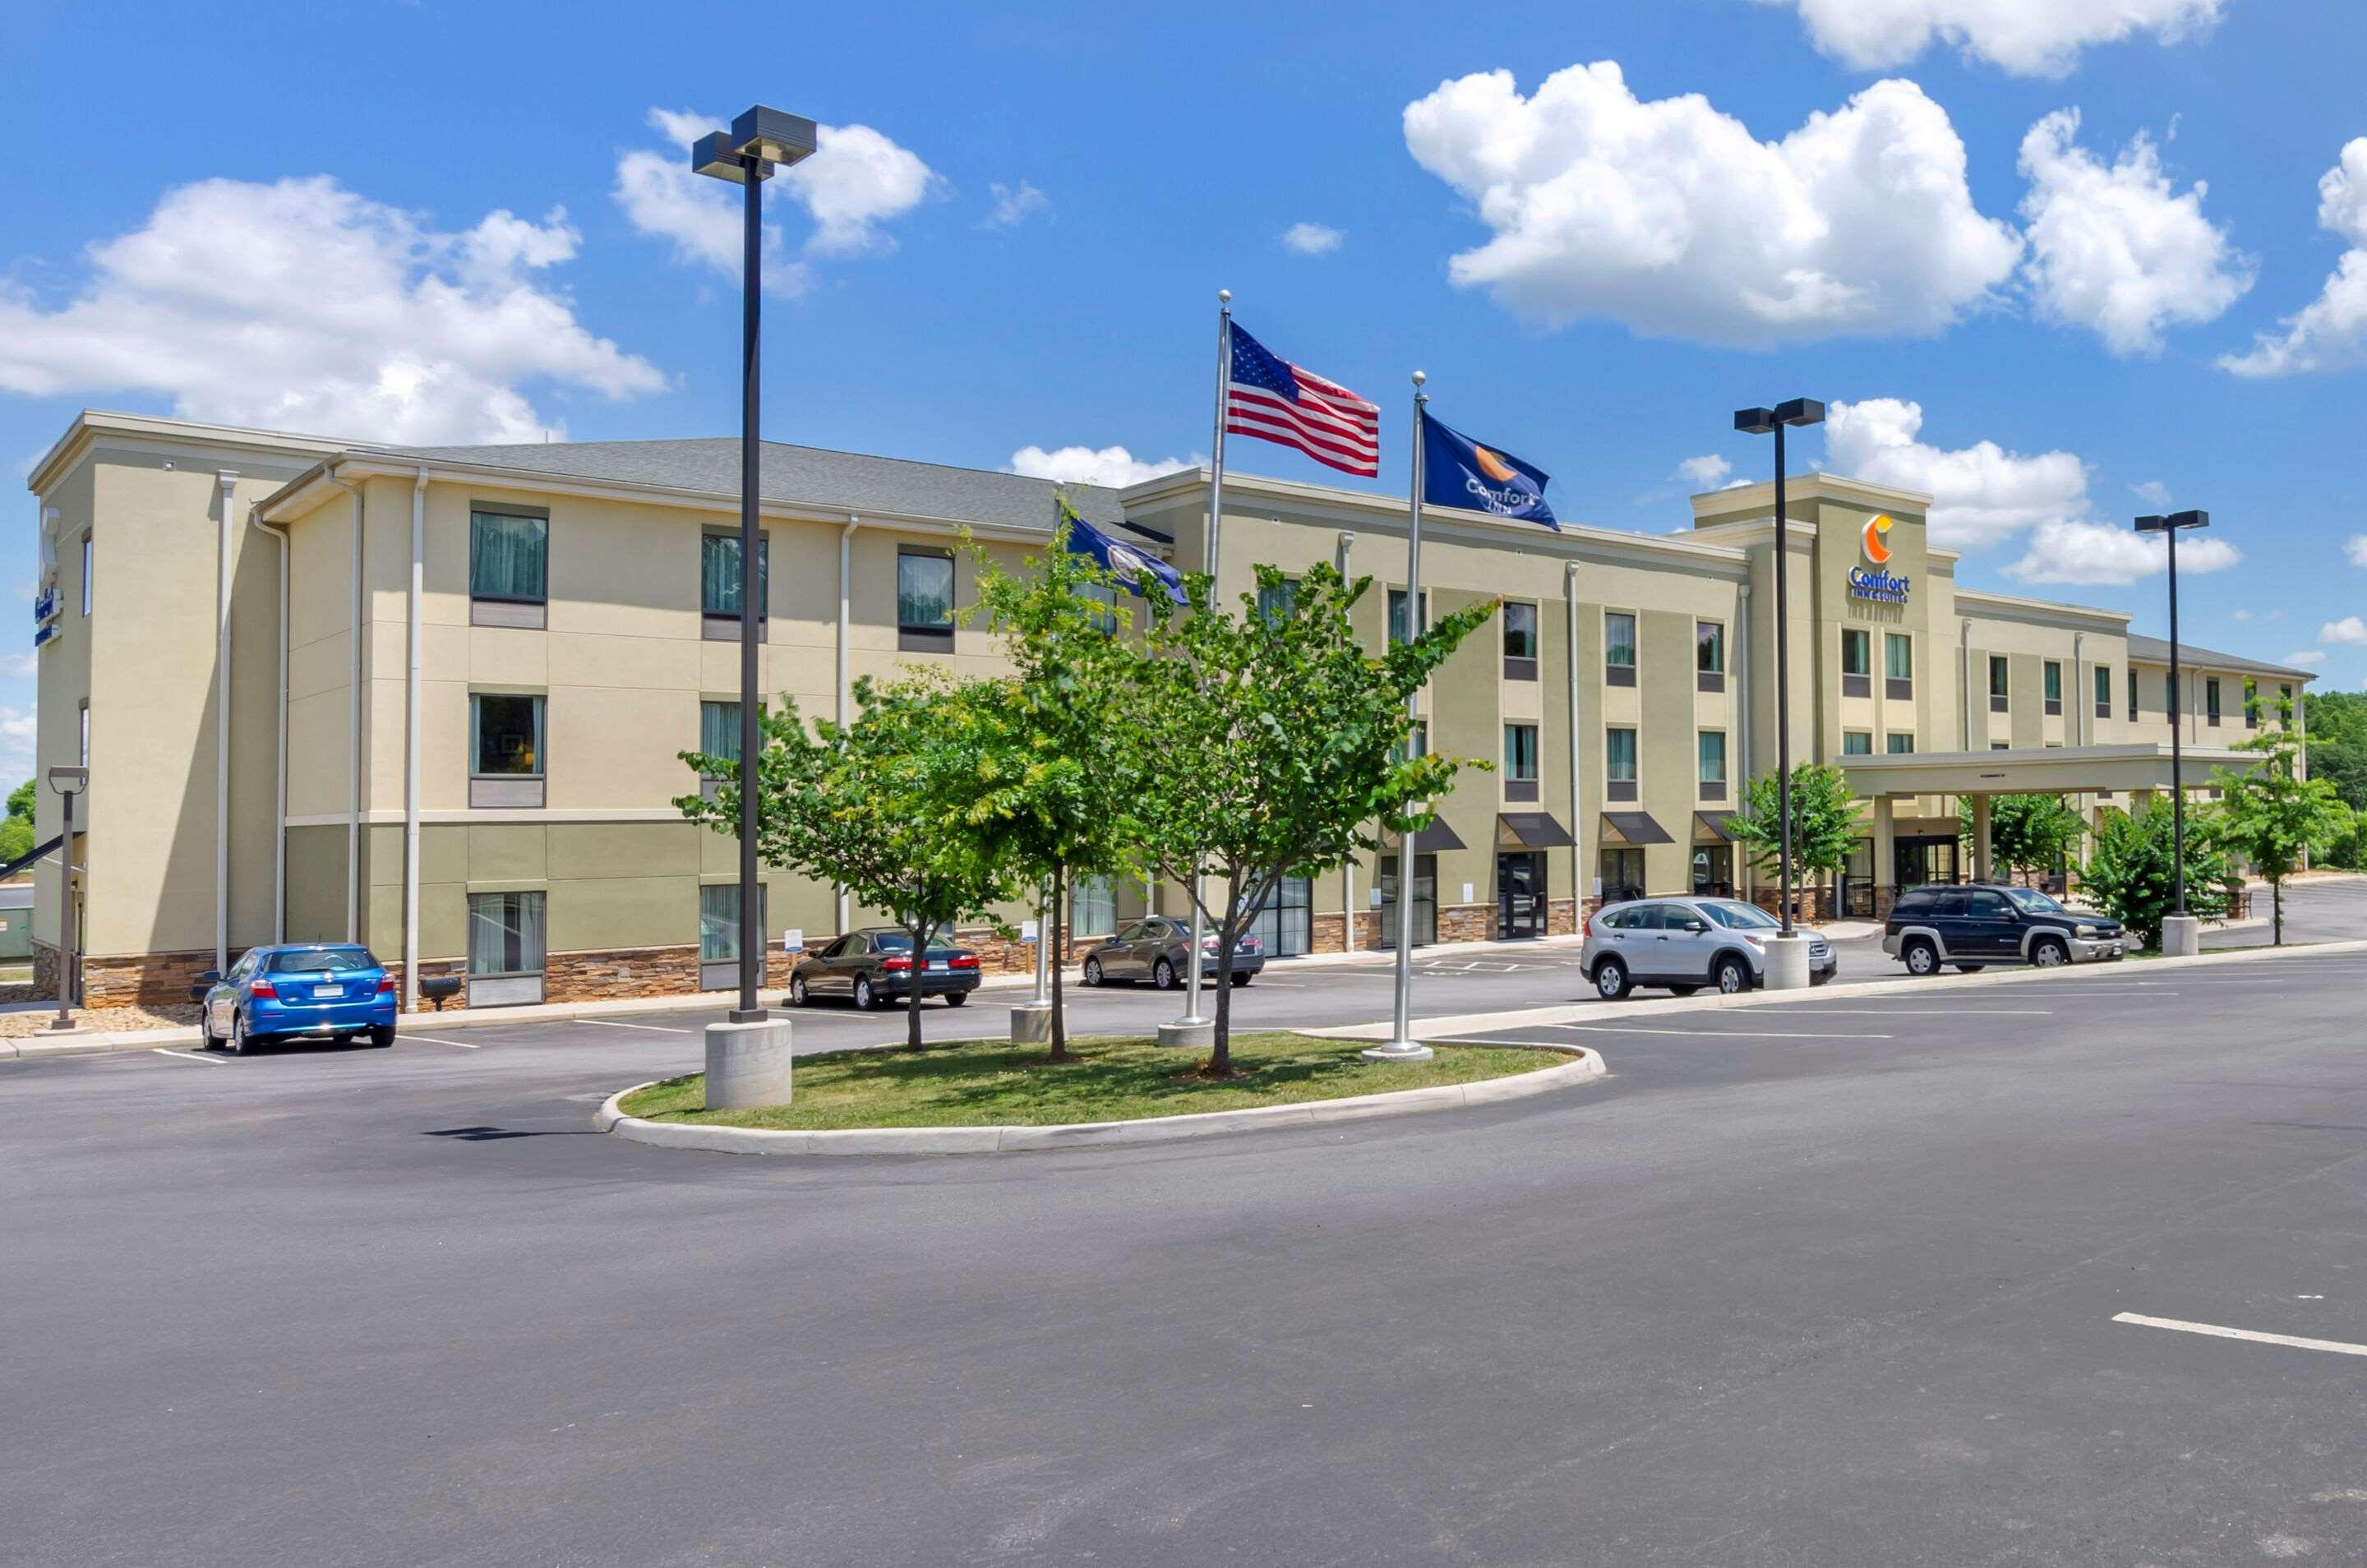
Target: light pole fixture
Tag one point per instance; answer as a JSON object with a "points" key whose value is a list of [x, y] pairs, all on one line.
{"points": [[2172, 526], [759, 142], [1760, 421], [68, 783]]}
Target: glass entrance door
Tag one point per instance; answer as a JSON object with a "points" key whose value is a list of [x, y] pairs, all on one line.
{"points": [[1425, 899], [1925, 860], [1520, 894], [1712, 871]]}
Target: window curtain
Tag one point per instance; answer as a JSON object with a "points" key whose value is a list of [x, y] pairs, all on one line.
{"points": [[719, 729], [1092, 907], [1713, 756], [506, 556], [719, 922], [718, 574], [505, 933], [509, 734], [925, 592], [1619, 755], [1619, 640]]}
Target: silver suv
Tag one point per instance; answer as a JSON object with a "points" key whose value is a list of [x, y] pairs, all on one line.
{"points": [[1685, 944]]}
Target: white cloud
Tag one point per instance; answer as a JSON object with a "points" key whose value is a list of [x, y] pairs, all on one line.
{"points": [[1982, 495], [2090, 552], [2243, 614], [855, 181], [1672, 217], [302, 305], [1704, 473], [2356, 549], [2117, 249], [20, 666], [2307, 659], [2350, 630], [2027, 37], [1312, 239], [2153, 493], [2330, 332], [1112, 466], [18, 730], [1014, 205]]}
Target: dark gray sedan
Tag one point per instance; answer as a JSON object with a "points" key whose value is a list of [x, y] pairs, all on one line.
{"points": [[874, 966], [1158, 949]]}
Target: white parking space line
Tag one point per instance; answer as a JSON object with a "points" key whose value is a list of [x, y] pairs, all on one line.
{"points": [[1904, 1011], [1713, 1034], [431, 1040], [191, 1057], [652, 1028], [2216, 1331]]}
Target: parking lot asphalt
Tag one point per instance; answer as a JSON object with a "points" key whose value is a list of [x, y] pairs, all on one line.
{"points": [[1829, 1282]]}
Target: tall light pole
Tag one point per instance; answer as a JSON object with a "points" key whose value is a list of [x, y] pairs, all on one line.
{"points": [[759, 142], [68, 783], [1790, 969], [2187, 936], [748, 1055]]}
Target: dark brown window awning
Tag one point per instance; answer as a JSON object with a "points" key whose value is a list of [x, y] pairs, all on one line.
{"points": [[1429, 841], [1636, 828], [1717, 824], [1530, 830]]}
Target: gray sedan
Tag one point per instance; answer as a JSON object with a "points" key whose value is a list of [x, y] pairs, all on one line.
{"points": [[1158, 949]]}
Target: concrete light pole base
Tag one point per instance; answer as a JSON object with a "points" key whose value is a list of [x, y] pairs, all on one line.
{"points": [[2182, 936], [1399, 1051], [1189, 1036], [1787, 963], [1031, 1023], [747, 1063]]}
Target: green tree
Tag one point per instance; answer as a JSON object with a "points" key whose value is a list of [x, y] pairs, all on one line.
{"points": [[16, 838], [1280, 743], [2347, 851], [2032, 833], [2129, 874], [2272, 816], [2337, 742], [1055, 796], [20, 800], [1825, 822], [880, 806]]}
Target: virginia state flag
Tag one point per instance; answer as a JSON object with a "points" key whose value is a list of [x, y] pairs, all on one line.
{"points": [[1129, 565], [1458, 471]]}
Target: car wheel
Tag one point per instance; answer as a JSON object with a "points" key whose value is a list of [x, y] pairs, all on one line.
{"points": [[797, 991], [862, 997], [1733, 976], [241, 1042], [955, 999], [2048, 952], [1092, 971], [1921, 958], [1242, 979], [205, 1035], [1163, 975], [1820, 976], [381, 1036], [1611, 981]]}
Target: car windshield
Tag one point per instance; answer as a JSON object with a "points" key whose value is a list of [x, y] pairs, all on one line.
{"points": [[2031, 901], [321, 960], [1738, 917]]}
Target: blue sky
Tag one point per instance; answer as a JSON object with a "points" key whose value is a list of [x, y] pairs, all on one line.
{"points": [[429, 221]]}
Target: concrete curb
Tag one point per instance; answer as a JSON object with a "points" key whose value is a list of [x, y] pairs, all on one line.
{"points": [[1467, 1024], [1587, 1064]]}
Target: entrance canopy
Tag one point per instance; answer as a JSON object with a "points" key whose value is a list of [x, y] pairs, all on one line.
{"points": [[1428, 840], [1713, 827], [1634, 828], [1530, 830], [2052, 770]]}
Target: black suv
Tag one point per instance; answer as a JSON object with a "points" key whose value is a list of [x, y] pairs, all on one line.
{"points": [[1987, 923]]}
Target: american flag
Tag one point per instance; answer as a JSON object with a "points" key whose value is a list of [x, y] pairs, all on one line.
{"points": [[1273, 399]]}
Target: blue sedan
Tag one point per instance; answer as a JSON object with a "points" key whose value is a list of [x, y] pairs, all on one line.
{"points": [[320, 991]]}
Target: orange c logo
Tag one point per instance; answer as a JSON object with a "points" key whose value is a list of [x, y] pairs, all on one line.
{"points": [[1493, 465], [1876, 549]]}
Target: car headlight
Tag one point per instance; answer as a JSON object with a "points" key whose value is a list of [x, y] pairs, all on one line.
{"points": [[2083, 932], [1754, 940]]}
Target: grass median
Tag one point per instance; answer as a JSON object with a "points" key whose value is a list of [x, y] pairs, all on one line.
{"points": [[987, 1083]]}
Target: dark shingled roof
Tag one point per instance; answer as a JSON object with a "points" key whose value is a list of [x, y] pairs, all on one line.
{"points": [[2154, 650], [838, 481]]}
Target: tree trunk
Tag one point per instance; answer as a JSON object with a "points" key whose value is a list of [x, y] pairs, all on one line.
{"points": [[1221, 1059], [913, 1003], [1049, 936], [2277, 907]]}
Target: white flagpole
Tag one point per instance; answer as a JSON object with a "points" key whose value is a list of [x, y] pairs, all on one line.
{"points": [[1402, 1046], [1192, 1028]]}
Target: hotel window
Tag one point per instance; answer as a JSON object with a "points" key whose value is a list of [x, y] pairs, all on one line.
{"points": [[505, 948], [1709, 656], [2169, 694], [1520, 641], [1857, 663], [2103, 692], [1276, 600], [1899, 745], [925, 600], [1092, 907], [1286, 920], [2132, 691], [1897, 664], [86, 555], [85, 734], [719, 736], [508, 568], [2211, 702], [719, 934], [1398, 616], [2054, 687], [505, 753], [1619, 764], [1104, 619], [2000, 745], [1520, 762], [2251, 705], [1712, 765], [1417, 744], [1857, 743], [719, 585], [1618, 649], [1998, 683]]}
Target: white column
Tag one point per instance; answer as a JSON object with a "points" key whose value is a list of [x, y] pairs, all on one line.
{"points": [[410, 749], [845, 623], [1981, 838], [226, 481]]}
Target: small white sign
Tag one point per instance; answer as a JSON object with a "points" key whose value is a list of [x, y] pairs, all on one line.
{"points": [[1466, 893], [1376, 898], [1026, 931], [793, 941], [1598, 888]]}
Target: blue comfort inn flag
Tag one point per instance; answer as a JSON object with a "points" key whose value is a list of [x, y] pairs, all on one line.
{"points": [[1458, 471], [1129, 565]]}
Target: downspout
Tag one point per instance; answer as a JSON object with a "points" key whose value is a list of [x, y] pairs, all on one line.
{"points": [[1576, 818], [411, 749], [279, 785], [226, 479], [1964, 685], [845, 695], [1345, 548], [2079, 694], [354, 733], [1741, 718]]}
